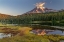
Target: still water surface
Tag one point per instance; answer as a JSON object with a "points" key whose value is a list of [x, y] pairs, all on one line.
{"points": [[2, 35], [48, 30]]}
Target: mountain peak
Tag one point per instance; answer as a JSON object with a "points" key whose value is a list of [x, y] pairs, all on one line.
{"points": [[41, 9]]}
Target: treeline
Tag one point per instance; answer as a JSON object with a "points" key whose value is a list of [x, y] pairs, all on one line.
{"points": [[52, 18]]}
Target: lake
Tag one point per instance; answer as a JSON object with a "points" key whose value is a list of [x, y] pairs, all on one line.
{"points": [[3, 35], [47, 30]]}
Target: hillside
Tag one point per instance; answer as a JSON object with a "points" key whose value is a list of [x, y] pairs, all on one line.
{"points": [[51, 18], [4, 16]]}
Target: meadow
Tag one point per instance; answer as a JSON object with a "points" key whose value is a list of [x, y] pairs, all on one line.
{"points": [[22, 34]]}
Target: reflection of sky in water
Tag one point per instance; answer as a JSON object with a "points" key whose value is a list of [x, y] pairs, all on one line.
{"points": [[58, 32], [4, 35], [62, 41]]}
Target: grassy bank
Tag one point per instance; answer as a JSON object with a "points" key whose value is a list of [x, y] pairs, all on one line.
{"points": [[24, 35], [33, 38]]}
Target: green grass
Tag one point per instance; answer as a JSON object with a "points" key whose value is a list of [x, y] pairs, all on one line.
{"points": [[33, 38], [25, 36]]}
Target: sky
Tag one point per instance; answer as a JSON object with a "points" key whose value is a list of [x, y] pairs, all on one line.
{"points": [[18, 7]]}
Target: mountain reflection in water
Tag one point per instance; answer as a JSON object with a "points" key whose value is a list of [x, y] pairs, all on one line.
{"points": [[47, 32]]}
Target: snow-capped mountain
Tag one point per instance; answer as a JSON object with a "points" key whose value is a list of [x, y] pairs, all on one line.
{"points": [[41, 9]]}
